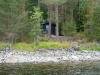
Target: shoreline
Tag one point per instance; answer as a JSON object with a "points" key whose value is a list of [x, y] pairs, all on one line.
{"points": [[49, 56]]}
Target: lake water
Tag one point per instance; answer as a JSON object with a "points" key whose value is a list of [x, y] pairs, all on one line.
{"points": [[50, 62], [83, 68]]}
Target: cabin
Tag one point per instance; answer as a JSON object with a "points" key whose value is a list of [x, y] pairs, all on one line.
{"points": [[46, 27]]}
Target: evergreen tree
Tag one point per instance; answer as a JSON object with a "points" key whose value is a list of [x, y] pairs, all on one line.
{"points": [[35, 23]]}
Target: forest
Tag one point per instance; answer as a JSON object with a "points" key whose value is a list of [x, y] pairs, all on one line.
{"points": [[35, 24]]}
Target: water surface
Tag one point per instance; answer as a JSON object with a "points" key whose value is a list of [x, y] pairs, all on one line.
{"points": [[85, 68]]}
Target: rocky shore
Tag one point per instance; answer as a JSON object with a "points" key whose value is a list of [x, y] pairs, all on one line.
{"points": [[50, 55]]}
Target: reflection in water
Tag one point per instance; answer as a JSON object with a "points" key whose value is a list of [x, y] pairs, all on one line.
{"points": [[86, 68]]}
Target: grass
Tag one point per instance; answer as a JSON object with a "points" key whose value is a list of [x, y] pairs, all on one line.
{"points": [[2, 45], [51, 44], [90, 46], [41, 45]]}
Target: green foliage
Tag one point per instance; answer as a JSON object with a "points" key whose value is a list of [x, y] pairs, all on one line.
{"points": [[69, 28], [24, 46], [96, 24], [2, 45], [44, 45], [80, 13], [54, 1], [20, 18], [13, 17], [92, 27], [30, 4], [90, 46], [35, 23], [53, 44]]}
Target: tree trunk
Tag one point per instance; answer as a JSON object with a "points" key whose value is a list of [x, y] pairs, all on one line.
{"points": [[57, 20], [49, 12]]}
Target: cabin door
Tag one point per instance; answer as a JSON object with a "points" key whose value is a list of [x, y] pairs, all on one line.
{"points": [[53, 29]]}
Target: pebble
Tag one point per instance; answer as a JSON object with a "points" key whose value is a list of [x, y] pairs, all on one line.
{"points": [[50, 55]]}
